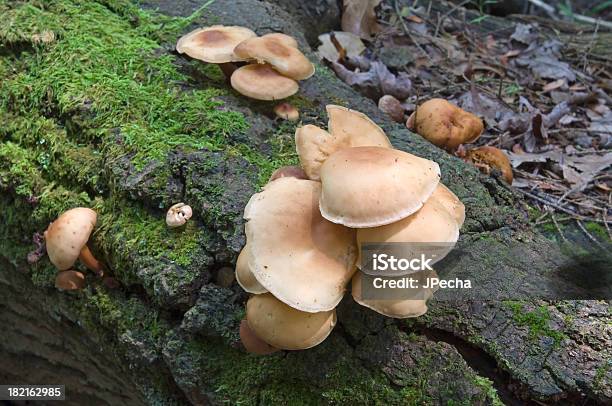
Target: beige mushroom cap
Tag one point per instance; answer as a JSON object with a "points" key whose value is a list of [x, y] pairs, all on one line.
{"points": [[288, 172], [70, 280], [276, 51], [399, 309], [68, 234], [374, 186], [261, 82], [252, 343], [214, 44], [487, 157], [283, 38], [433, 223], [348, 128], [244, 276], [285, 327], [297, 255], [451, 202]]}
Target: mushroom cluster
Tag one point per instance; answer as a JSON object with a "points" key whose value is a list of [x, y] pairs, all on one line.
{"points": [[278, 63], [305, 229]]}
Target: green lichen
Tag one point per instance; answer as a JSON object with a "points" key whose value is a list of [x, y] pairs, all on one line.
{"points": [[537, 320]]}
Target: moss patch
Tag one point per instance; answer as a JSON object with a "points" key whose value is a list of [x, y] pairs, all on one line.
{"points": [[537, 320]]}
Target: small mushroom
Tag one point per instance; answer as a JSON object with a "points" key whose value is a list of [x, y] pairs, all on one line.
{"points": [[244, 275], [373, 186], [287, 112], [66, 240], [262, 82], [277, 51], [444, 124], [486, 158], [70, 280], [391, 107], [252, 343], [287, 328], [288, 172], [297, 255], [178, 215]]}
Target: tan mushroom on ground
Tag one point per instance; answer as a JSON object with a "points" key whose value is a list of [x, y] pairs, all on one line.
{"points": [[252, 343], [70, 280], [278, 51], [486, 158], [244, 276], [262, 82], [444, 124], [347, 128], [66, 240], [287, 112], [374, 186], [178, 215], [297, 255], [391, 107], [287, 328]]}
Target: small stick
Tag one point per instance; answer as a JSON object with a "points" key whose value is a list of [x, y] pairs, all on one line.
{"points": [[586, 232], [552, 216]]}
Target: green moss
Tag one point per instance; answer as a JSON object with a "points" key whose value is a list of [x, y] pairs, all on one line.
{"points": [[487, 386], [537, 320]]}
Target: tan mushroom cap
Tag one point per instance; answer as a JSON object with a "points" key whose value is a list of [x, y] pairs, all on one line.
{"points": [[374, 186], [274, 50], [283, 38], [214, 44], [348, 128], [444, 124], [285, 327], [451, 203], [288, 172], [68, 234], [297, 255], [399, 309], [252, 343], [261, 82], [488, 157], [244, 276], [70, 280], [433, 223]]}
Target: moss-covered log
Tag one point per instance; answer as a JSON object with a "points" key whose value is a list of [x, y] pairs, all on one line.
{"points": [[97, 110]]}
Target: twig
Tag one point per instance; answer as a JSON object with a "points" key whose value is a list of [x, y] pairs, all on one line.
{"points": [[585, 231], [550, 10], [407, 30], [552, 216], [592, 20], [448, 13]]}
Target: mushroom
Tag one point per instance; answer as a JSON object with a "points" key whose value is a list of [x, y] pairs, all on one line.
{"points": [[486, 158], [348, 128], [287, 112], [396, 308], [279, 52], [451, 202], [287, 328], [252, 343], [288, 172], [244, 275], [288, 40], [178, 215], [66, 240], [444, 124], [373, 186], [70, 280], [391, 107], [215, 44], [261, 82], [433, 227], [297, 255]]}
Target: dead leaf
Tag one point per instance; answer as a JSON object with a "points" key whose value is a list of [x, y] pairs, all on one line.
{"points": [[579, 171], [377, 81], [525, 33], [351, 43], [359, 17], [553, 85]]}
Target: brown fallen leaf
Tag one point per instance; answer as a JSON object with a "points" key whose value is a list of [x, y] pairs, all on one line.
{"points": [[377, 81], [553, 85], [359, 17], [351, 43]]}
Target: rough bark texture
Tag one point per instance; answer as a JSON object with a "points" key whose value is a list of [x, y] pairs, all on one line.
{"points": [[168, 335]]}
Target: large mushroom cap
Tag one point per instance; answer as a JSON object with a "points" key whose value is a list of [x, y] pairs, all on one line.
{"points": [[252, 343], [488, 157], [288, 40], [297, 255], [279, 52], [399, 309], [261, 82], [432, 224], [285, 327], [374, 186], [70, 280], [244, 276], [348, 128], [288, 172], [214, 44], [67, 235], [451, 202], [444, 124]]}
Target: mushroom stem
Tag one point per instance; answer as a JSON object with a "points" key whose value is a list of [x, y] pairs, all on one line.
{"points": [[228, 68], [90, 261]]}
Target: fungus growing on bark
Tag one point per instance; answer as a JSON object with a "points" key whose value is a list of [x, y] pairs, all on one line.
{"points": [[451, 202], [252, 343], [70, 280], [262, 82], [487, 158], [444, 124], [178, 215], [287, 112], [288, 172], [244, 275], [374, 186], [297, 255], [391, 107], [66, 240], [287, 328]]}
